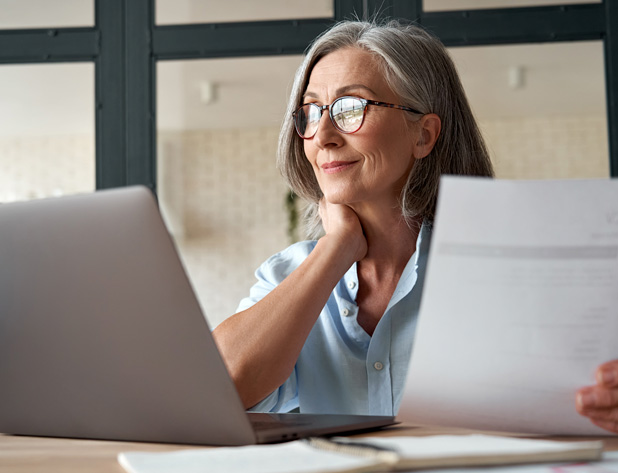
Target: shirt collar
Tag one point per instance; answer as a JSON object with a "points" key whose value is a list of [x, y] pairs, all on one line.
{"points": [[410, 273]]}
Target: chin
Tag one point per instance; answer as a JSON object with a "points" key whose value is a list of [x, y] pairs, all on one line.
{"points": [[342, 197], [338, 200]]}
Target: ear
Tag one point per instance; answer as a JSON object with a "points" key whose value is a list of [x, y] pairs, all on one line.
{"points": [[429, 127]]}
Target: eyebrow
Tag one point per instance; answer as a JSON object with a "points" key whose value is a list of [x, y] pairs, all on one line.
{"points": [[342, 90]]}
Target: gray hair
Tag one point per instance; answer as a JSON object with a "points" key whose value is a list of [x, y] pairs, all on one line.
{"points": [[419, 70]]}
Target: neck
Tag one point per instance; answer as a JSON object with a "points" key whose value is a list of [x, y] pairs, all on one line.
{"points": [[390, 241]]}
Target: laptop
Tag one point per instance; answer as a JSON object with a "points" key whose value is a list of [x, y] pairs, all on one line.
{"points": [[102, 337]]}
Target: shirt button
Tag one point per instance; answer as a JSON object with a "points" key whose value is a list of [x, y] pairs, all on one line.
{"points": [[378, 366], [345, 312], [351, 284]]}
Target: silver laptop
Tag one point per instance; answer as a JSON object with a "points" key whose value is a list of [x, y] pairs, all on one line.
{"points": [[101, 335]]}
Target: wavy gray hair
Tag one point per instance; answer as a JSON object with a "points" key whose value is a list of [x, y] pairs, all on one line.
{"points": [[419, 70]]}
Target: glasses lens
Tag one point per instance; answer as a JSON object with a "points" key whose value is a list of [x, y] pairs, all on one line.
{"points": [[307, 119], [348, 113]]}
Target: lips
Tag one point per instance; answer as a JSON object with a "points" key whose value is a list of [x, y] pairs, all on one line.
{"points": [[337, 166]]}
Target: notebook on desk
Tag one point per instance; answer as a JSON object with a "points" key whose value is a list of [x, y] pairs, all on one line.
{"points": [[102, 337]]}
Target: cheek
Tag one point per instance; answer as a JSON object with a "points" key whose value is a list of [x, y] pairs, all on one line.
{"points": [[309, 151], [395, 133], [403, 144], [395, 147]]}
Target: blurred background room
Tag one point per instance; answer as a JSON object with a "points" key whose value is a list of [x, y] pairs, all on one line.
{"points": [[187, 96]]}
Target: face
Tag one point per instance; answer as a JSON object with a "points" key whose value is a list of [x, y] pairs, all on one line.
{"points": [[370, 166]]}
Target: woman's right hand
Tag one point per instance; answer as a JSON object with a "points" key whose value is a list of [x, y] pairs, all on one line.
{"points": [[342, 224]]}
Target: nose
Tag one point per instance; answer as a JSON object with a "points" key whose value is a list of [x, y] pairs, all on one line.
{"points": [[327, 135]]}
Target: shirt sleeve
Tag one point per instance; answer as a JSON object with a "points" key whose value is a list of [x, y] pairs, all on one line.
{"points": [[269, 275], [284, 399]]}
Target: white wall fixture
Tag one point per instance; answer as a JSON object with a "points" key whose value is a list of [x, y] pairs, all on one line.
{"points": [[208, 92], [517, 77]]}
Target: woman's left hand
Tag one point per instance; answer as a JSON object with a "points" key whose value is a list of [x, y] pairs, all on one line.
{"points": [[600, 402]]}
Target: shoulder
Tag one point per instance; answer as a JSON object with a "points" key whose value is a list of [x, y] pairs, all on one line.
{"points": [[274, 270], [280, 265]]}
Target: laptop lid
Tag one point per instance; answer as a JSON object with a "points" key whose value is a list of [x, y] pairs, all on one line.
{"points": [[101, 335]]}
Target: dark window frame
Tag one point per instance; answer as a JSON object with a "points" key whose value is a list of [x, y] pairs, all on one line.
{"points": [[125, 45]]}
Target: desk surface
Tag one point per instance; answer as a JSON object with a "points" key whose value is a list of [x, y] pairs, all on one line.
{"points": [[52, 455]]}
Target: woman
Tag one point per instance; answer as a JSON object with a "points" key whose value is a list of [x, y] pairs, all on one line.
{"points": [[376, 115]]}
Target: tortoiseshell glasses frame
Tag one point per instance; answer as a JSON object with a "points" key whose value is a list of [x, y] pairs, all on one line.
{"points": [[347, 115]]}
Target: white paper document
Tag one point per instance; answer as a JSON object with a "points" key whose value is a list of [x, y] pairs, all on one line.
{"points": [[368, 454], [520, 305]]}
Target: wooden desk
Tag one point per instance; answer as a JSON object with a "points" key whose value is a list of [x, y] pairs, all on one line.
{"points": [[53, 455]]}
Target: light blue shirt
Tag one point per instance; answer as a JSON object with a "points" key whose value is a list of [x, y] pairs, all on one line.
{"points": [[341, 369]]}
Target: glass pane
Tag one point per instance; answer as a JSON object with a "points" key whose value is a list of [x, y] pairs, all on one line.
{"points": [[541, 108], [220, 193], [441, 5], [46, 130], [44, 14], [213, 11]]}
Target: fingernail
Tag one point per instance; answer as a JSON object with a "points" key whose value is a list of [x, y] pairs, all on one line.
{"points": [[608, 377], [586, 399]]}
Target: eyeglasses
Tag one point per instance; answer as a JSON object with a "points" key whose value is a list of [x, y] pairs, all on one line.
{"points": [[346, 113]]}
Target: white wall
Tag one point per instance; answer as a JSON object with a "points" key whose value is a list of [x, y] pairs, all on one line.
{"points": [[224, 200]]}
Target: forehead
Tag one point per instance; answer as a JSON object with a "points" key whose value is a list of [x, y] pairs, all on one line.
{"points": [[345, 67]]}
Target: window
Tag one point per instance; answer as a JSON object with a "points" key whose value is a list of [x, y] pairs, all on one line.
{"points": [[44, 14], [440, 5], [200, 11], [46, 130], [543, 114], [220, 192]]}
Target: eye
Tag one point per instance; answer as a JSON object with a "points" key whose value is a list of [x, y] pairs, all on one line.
{"points": [[348, 113], [306, 114]]}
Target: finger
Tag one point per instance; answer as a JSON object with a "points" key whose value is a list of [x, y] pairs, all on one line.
{"points": [[606, 424], [322, 212], [596, 397], [607, 374], [322, 207], [607, 415]]}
